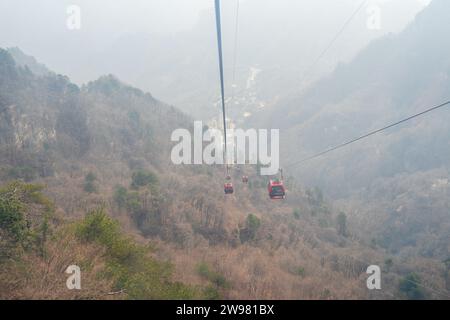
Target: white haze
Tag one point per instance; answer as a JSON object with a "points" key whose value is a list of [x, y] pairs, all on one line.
{"points": [[168, 47]]}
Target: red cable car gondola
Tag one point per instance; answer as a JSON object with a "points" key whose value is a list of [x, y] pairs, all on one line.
{"points": [[276, 190], [228, 188]]}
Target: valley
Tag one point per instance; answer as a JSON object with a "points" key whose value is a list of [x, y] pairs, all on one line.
{"points": [[87, 176]]}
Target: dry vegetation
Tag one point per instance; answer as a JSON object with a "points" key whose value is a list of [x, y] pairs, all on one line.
{"points": [[107, 165]]}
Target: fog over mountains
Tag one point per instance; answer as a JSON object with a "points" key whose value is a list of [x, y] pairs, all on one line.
{"points": [[392, 78], [140, 44], [86, 118]]}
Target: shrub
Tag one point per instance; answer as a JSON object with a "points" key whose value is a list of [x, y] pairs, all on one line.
{"points": [[253, 222], [410, 286], [142, 178], [89, 183], [203, 270], [120, 196], [342, 224], [388, 263], [98, 227], [300, 271], [90, 177], [12, 219], [26, 173], [146, 210], [19, 228], [214, 277], [252, 225], [211, 293], [129, 264]]}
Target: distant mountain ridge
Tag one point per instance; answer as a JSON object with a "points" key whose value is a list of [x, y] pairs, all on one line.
{"points": [[30, 62], [393, 78]]}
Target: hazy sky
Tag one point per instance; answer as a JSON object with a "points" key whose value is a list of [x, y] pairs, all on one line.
{"points": [[28, 17], [39, 28], [150, 15], [115, 15]]}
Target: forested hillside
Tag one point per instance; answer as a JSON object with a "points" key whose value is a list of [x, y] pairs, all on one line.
{"points": [[87, 179], [395, 185]]}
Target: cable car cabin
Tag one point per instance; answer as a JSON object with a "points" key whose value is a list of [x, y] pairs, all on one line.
{"points": [[228, 188], [245, 179], [276, 190]]}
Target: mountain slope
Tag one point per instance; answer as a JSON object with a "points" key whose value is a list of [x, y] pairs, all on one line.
{"points": [[394, 182], [105, 147]]}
